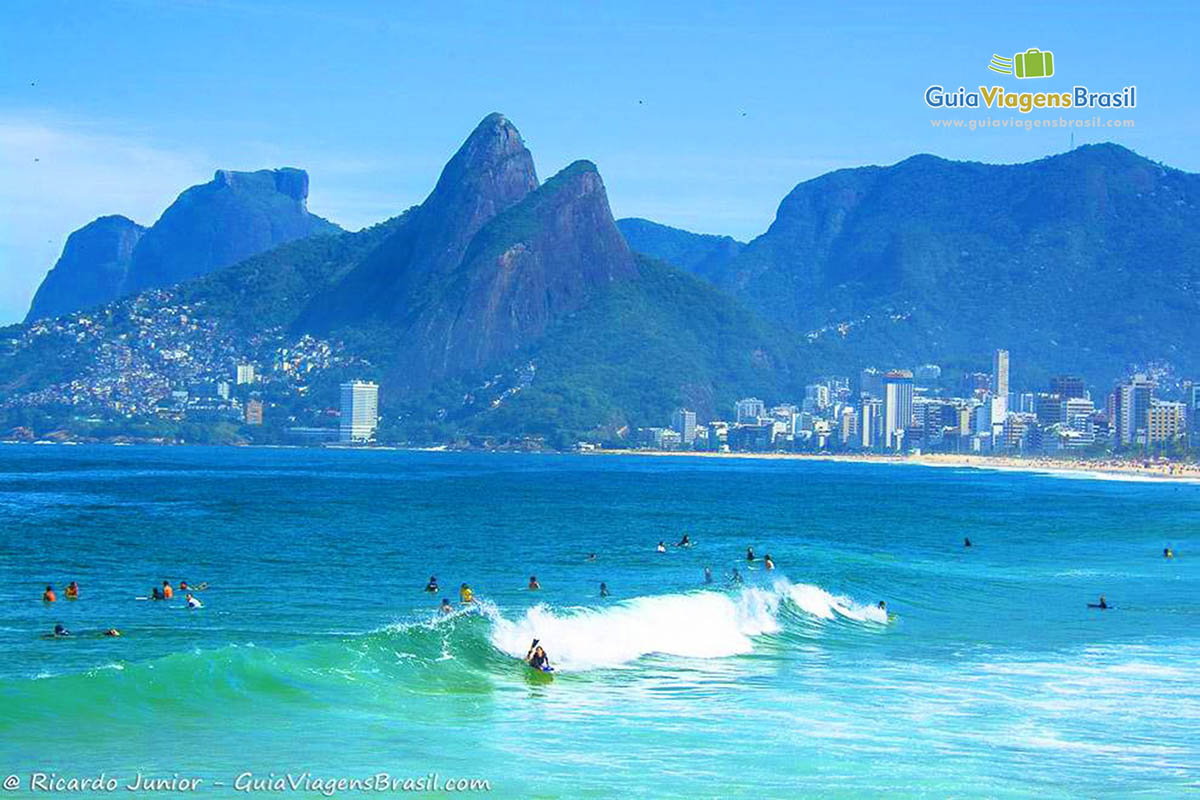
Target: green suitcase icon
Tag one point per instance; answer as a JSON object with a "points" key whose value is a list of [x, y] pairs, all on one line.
{"points": [[1034, 63]]}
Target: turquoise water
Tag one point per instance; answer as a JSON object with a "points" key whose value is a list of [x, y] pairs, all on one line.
{"points": [[318, 651]]}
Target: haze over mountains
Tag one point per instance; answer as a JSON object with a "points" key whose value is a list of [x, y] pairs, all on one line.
{"points": [[208, 227], [503, 303]]}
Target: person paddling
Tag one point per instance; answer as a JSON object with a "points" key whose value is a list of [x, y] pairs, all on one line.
{"points": [[48, 596], [537, 658]]}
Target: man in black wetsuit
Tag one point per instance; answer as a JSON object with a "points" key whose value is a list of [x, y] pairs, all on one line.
{"points": [[536, 657]]}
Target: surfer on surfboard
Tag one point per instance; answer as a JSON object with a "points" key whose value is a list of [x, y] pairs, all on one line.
{"points": [[537, 658]]}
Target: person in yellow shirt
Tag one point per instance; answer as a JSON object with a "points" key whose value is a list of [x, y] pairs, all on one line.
{"points": [[73, 590], [465, 594]]}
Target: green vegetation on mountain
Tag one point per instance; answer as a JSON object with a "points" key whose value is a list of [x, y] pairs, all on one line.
{"points": [[701, 254], [1082, 262]]}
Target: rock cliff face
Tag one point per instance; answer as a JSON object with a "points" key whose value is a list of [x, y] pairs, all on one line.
{"points": [[92, 269], [209, 227], [529, 267], [486, 264], [214, 225]]}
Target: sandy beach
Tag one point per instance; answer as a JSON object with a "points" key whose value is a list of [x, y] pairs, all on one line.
{"points": [[1102, 468]]}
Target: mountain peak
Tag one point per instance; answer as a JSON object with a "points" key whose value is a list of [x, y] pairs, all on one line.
{"points": [[491, 171]]}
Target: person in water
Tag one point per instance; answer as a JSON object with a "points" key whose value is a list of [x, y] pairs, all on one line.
{"points": [[966, 541], [72, 591], [662, 547], [1168, 552], [767, 562], [193, 601], [1103, 603], [591, 557], [603, 589], [446, 607], [536, 657], [156, 594], [749, 553], [167, 592], [533, 583], [465, 595], [684, 542], [736, 577], [432, 586], [112, 632], [60, 631], [707, 575], [49, 596], [881, 605]]}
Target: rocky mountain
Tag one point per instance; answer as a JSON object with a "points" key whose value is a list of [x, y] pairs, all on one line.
{"points": [[1080, 262], [703, 255], [208, 227], [485, 265], [92, 270], [500, 304]]}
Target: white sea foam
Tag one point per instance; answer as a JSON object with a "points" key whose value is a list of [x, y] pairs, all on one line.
{"points": [[701, 624]]}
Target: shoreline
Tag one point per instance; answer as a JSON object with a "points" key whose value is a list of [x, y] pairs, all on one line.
{"points": [[1172, 472]]}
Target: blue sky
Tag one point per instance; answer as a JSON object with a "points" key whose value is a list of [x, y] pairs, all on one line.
{"points": [[698, 115]]}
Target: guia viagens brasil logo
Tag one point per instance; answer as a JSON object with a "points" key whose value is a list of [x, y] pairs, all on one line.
{"points": [[1029, 64]]}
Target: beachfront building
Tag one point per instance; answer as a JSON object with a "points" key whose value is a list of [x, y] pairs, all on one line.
{"points": [[1166, 421], [244, 374], [1131, 410], [750, 410], [684, 421], [1000, 386], [360, 412], [897, 407]]}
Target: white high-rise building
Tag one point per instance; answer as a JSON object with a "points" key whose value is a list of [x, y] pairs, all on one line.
{"points": [[1000, 385], [897, 407], [684, 421], [245, 374], [749, 410], [360, 411]]}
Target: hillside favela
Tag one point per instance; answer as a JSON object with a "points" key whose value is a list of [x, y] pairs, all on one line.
{"points": [[577, 401]]}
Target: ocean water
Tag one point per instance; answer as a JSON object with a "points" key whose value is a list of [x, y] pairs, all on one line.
{"points": [[318, 653]]}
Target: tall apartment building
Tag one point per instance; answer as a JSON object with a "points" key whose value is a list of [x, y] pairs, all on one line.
{"points": [[360, 411]]}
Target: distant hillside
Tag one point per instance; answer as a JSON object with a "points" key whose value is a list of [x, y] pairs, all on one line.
{"points": [[498, 305], [211, 226], [701, 254], [1081, 262]]}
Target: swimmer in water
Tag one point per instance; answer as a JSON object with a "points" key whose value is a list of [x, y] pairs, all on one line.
{"points": [[49, 596], [684, 542], [167, 591], [767, 562], [1168, 552], [591, 557], [465, 595], [881, 605], [156, 594], [1103, 604], [736, 577], [446, 607], [603, 589], [60, 631], [533, 583], [193, 601], [112, 632], [662, 548], [432, 586], [749, 553], [966, 541], [73, 590], [707, 575]]}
